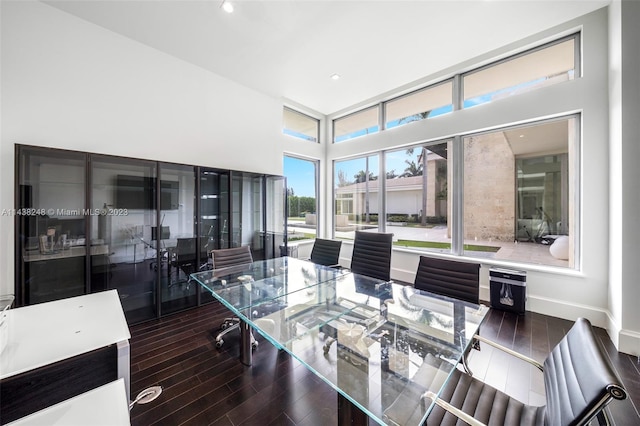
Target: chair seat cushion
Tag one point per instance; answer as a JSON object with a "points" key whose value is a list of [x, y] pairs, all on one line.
{"points": [[485, 403]]}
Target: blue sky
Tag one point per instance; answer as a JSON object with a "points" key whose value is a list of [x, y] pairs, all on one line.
{"points": [[300, 176]]}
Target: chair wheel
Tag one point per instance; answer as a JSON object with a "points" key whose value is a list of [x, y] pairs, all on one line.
{"points": [[219, 343], [254, 345], [223, 326]]}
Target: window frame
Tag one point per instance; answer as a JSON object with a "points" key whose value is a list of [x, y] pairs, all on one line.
{"points": [[577, 61], [350, 136], [299, 135], [457, 81], [385, 104], [381, 203], [456, 187], [316, 187]]}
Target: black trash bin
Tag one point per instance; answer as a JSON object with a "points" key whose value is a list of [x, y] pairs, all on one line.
{"points": [[290, 250], [508, 289]]}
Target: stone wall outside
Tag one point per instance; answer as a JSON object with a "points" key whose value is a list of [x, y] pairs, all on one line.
{"points": [[489, 185]]}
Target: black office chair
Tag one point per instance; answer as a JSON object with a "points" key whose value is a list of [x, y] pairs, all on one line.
{"points": [[453, 278], [161, 250], [183, 258], [579, 382], [372, 255], [326, 252], [227, 258]]}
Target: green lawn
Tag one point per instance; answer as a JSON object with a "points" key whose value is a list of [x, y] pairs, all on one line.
{"points": [[412, 243], [298, 237], [436, 245]]}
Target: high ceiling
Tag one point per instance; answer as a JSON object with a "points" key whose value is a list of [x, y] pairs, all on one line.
{"points": [[289, 48]]}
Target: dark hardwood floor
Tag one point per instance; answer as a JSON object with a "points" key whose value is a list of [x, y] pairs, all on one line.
{"points": [[206, 386]]}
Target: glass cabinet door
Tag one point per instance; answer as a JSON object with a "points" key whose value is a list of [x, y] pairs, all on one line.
{"points": [[258, 205], [92, 222], [247, 207], [214, 217], [175, 239], [276, 216], [214, 210], [124, 192], [51, 225]]}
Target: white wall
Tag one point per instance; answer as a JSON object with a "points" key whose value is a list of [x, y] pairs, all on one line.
{"points": [[624, 84], [66, 83], [554, 291]]}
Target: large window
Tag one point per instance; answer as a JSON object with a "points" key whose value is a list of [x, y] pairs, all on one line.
{"points": [[357, 124], [513, 199], [549, 64], [417, 196], [425, 103], [300, 125], [356, 194], [531, 70], [509, 194], [517, 196], [302, 183]]}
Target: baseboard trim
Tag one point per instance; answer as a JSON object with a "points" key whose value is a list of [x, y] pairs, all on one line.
{"points": [[626, 341], [629, 342]]}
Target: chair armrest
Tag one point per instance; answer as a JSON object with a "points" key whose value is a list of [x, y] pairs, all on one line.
{"points": [[509, 351], [453, 410]]}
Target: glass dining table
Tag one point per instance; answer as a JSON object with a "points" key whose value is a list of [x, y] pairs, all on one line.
{"points": [[380, 345]]}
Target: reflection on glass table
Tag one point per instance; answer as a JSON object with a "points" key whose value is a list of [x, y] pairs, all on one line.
{"points": [[380, 345]]}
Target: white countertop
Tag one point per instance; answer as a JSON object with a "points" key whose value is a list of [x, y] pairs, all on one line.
{"points": [[53, 331], [103, 406]]}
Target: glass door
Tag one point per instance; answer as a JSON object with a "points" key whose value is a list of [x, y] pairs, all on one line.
{"points": [[124, 192], [51, 220]]}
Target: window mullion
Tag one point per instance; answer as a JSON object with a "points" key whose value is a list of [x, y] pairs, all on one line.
{"points": [[457, 92], [457, 195]]}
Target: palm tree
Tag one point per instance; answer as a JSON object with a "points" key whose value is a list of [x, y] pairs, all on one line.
{"points": [[342, 179], [361, 177], [412, 169], [422, 159]]}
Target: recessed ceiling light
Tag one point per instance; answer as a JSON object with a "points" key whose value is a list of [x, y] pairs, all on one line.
{"points": [[335, 76], [226, 6]]}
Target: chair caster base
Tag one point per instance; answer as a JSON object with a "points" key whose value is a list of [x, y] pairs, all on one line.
{"points": [[327, 345]]}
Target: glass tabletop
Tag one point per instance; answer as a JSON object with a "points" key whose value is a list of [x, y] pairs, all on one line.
{"points": [[380, 345], [254, 283]]}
